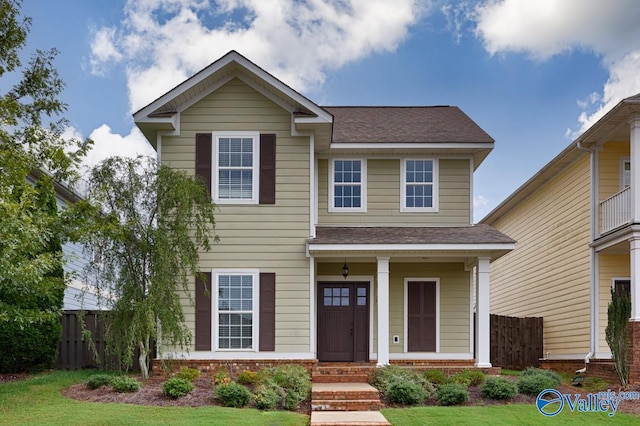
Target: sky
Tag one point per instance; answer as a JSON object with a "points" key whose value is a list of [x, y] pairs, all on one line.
{"points": [[534, 74]]}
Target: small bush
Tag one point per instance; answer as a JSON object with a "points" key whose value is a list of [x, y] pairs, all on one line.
{"points": [[382, 377], [541, 371], [247, 378], [96, 380], [233, 395], [269, 397], [437, 377], [405, 392], [176, 387], [294, 379], [497, 387], [533, 384], [125, 384], [459, 379], [476, 377], [222, 377], [187, 373], [452, 394]]}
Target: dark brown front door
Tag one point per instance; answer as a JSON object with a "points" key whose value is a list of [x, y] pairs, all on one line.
{"points": [[421, 315], [343, 322]]}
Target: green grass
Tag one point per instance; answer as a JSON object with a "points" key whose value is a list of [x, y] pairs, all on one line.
{"points": [[38, 401], [497, 415]]}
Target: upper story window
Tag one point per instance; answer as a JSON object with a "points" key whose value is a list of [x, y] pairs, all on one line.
{"points": [[625, 173], [348, 185], [235, 163], [419, 186]]}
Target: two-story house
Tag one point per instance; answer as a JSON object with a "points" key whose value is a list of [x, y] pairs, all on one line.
{"points": [[577, 223], [345, 232]]}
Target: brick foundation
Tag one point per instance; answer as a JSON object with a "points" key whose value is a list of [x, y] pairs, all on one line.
{"points": [[562, 365], [633, 352], [604, 369]]}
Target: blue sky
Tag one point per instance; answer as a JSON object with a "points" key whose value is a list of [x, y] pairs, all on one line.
{"points": [[532, 73]]}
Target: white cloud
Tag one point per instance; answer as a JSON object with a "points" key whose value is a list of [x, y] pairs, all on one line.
{"points": [[544, 28], [480, 207], [107, 144], [164, 41]]}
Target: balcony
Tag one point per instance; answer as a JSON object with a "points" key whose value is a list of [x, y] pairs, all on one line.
{"points": [[616, 210]]}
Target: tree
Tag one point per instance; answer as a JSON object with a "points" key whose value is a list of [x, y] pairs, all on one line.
{"points": [[616, 332], [32, 155], [153, 221]]}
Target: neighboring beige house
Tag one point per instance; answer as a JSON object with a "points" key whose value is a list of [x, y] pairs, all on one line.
{"points": [[345, 232], [577, 224]]}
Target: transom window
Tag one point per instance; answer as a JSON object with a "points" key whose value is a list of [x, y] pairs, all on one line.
{"points": [[419, 189], [236, 310], [347, 185], [235, 167]]}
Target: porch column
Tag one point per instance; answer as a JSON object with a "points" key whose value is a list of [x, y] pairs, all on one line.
{"points": [[483, 335], [635, 278], [383, 311]]}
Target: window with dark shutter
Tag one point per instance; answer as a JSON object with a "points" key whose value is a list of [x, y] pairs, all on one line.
{"points": [[203, 312], [267, 169], [421, 316], [267, 311], [203, 157]]}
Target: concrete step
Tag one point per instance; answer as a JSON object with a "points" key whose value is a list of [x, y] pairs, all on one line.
{"points": [[348, 418]]}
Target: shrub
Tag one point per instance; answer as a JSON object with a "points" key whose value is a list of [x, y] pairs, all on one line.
{"points": [[187, 373], [233, 395], [269, 397], [437, 377], [476, 377], [29, 347], [221, 377], [405, 392], [124, 384], [176, 387], [247, 378], [96, 380], [533, 383], [382, 377], [459, 379], [294, 379], [497, 387], [452, 394], [549, 373]]}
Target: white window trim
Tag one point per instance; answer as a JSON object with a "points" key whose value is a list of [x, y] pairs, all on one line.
{"points": [[403, 187], [623, 160], [363, 187], [406, 312], [255, 166], [255, 273]]}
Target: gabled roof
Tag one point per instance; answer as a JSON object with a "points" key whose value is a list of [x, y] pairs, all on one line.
{"points": [[163, 113], [411, 124]]}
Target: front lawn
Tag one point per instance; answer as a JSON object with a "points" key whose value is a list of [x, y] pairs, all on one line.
{"points": [[38, 401], [496, 415]]}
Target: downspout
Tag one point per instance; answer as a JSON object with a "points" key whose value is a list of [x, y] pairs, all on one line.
{"points": [[593, 322]]}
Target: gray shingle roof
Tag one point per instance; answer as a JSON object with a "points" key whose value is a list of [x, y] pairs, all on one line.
{"points": [[436, 124], [476, 234]]}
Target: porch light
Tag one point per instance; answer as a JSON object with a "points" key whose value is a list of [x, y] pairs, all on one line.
{"points": [[345, 269]]}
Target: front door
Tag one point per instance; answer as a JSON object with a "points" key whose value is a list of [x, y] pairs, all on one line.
{"points": [[343, 321]]}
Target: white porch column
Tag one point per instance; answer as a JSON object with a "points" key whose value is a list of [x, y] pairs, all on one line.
{"points": [[383, 311], [635, 278], [483, 334]]}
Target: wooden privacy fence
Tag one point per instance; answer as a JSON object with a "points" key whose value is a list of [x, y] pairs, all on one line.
{"points": [[516, 343], [74, 352]]}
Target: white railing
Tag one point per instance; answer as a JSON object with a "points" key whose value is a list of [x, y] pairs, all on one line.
{"points": [[616, 210]]}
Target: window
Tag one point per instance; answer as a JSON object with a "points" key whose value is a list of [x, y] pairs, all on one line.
{"points": [[235, 162], [347, 185], [625, 173], [419, 188], [236, 309]]}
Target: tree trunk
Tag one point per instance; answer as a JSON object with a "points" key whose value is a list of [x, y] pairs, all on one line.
{"points": [[142, 359]]}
